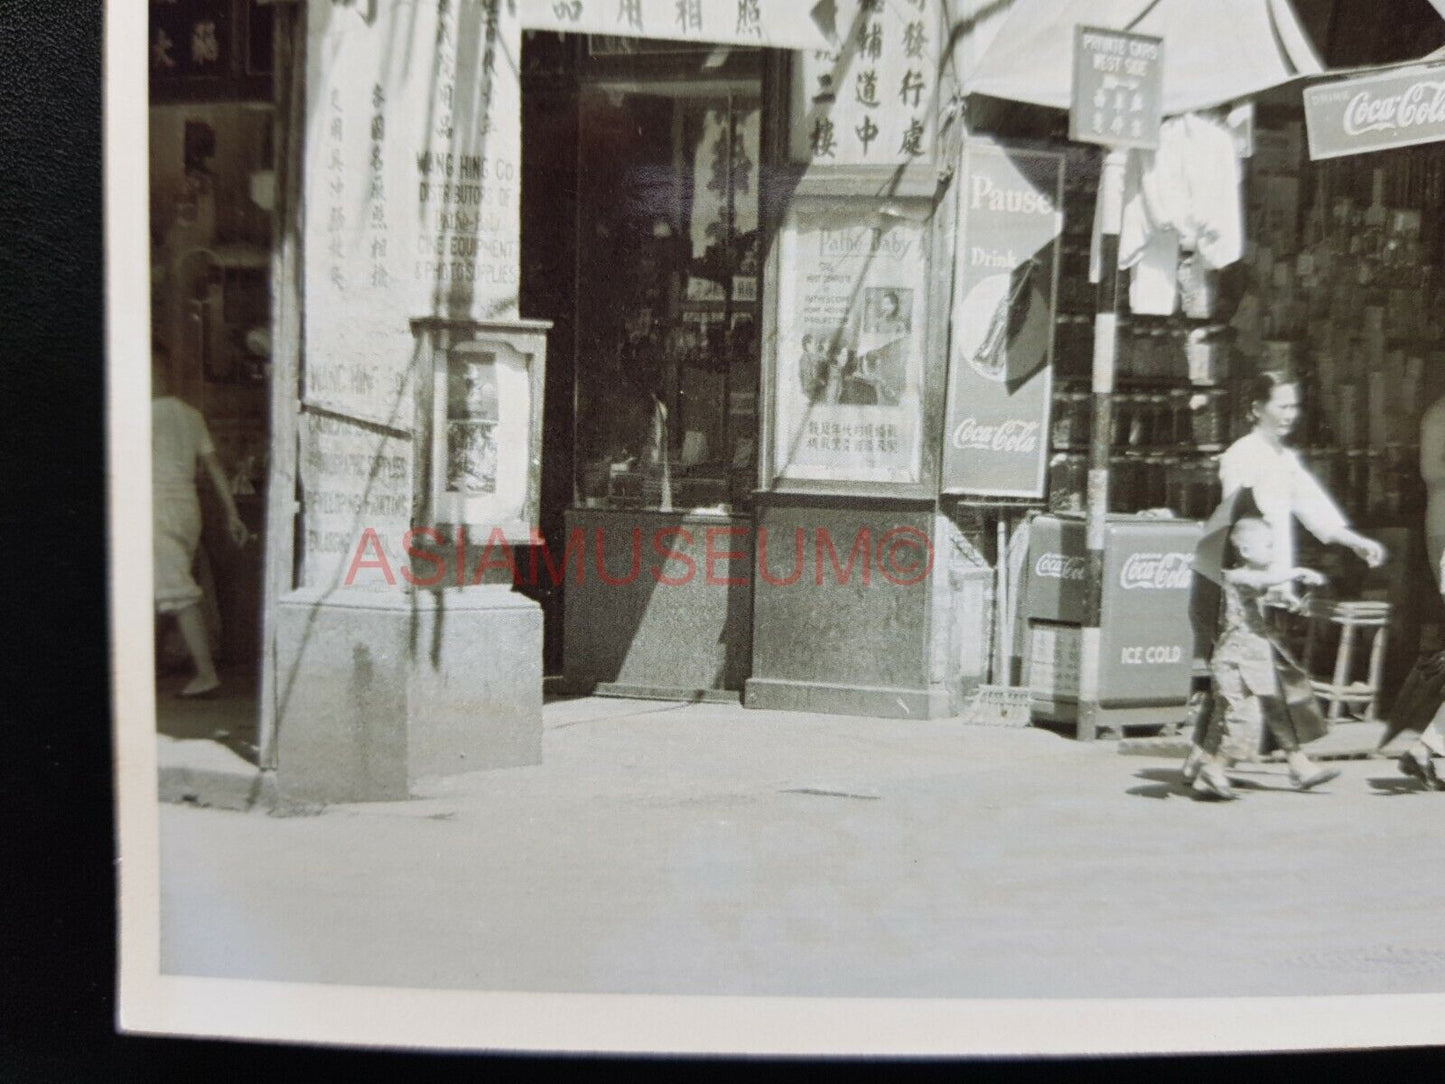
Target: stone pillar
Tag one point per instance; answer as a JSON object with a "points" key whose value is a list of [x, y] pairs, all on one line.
{"points": [[385, 672]]}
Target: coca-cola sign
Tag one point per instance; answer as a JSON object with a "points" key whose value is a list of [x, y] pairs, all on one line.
{"points": [[1000, 372], [1014, 435], [1157, 571], [1395, 109], [1056, 566]]}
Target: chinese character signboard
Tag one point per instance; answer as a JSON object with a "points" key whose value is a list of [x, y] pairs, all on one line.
{"points": [[851, 322], [776, 24], [1118, 88], [413, 146], [873, 97], [209, 50], [1394, 109], [412, 200], [1000, 357]]}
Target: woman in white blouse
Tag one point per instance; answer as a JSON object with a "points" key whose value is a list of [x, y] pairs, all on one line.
{"points": [[1282, 488]]}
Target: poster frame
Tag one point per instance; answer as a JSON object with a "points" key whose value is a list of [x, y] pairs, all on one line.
{"points": [[437, 337], [865, 197]]}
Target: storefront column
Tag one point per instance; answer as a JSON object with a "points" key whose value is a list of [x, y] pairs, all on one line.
{"points": [[384, 674]]}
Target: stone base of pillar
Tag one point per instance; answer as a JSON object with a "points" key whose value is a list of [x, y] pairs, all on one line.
{"points": [[379, 689]]}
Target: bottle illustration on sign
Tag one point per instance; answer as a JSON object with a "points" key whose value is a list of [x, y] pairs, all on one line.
{"points": [[1004, 325]]}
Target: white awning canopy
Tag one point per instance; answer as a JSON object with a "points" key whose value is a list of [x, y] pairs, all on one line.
{"points": [[1214, 52], [777, 24]]}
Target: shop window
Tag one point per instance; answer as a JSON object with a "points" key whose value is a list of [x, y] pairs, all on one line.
{"points": [[668, 299]]}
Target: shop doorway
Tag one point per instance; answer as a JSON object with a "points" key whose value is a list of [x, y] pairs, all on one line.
{"points": [[641, 242], [211, 235]]}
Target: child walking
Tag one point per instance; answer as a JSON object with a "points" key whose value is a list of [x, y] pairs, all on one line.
{"points": [[1262, 698]]}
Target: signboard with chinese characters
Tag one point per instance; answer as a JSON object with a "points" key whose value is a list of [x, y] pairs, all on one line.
{"points": [[411, 190], [1118, 88], [775, 24], [872, 98], [1376, 112], [1000, 380], [848, 376], [413, 146], [209, 50], [485, 428]]}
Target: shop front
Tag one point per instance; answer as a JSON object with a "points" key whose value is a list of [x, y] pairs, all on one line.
{"points": [[695, 359]]}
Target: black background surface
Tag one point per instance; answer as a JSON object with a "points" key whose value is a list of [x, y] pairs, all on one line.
{"points": [[57, 981]]}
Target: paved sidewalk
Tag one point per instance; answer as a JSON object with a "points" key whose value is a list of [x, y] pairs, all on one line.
{"points": [[707, 848]]}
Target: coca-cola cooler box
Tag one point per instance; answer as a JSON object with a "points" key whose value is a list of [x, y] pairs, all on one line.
{"points": [[1146, 633]]}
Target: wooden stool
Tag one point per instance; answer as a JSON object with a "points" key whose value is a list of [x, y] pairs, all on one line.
{"points": [[1339, 690]]}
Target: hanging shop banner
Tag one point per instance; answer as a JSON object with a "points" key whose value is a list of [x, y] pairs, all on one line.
{"points": [[851, 320], [871, 97], [1001, 354], [412, 180], [1376, 112], [774, 24], [1118, 93]]}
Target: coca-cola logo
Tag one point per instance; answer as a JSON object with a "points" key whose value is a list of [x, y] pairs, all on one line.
{"points": [[1157, 571], [1013, 435], [1420, 104], [1055, 566]]}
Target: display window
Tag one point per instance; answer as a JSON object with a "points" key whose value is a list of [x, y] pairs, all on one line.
{"points": [[668, 298]]}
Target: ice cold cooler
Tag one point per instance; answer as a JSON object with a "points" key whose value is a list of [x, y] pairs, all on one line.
{"points": [[1147, 645]]}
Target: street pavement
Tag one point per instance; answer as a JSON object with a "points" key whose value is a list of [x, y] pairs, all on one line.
{"points": [[710, 849]]}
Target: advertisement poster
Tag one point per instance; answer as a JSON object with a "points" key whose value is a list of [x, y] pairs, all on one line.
{"points": [[1001, 355], [1395, 109], [483, 403], [871, 99], [851, 322]]}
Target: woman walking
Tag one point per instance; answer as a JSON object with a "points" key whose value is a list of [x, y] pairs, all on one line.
{"points": [[179, 443], [1282, 490]]}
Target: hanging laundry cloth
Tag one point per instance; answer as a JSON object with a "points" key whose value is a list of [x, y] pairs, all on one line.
{"points": [[1183, 196]]}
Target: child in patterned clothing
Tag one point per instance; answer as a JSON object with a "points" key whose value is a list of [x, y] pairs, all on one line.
{"points": [[1262, 698]]}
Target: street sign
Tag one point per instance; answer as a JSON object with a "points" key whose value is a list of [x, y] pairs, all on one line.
{"points": [[1118, 88], [1392, 109]]}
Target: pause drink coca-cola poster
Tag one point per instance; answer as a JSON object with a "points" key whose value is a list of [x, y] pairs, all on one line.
{"points": [[1001, 346]]}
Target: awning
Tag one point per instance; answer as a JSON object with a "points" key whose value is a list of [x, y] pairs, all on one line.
{"points": [[777, 24], [1214, 52]]}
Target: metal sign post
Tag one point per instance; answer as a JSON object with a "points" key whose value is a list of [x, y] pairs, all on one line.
{"points": [[1117, 97]]}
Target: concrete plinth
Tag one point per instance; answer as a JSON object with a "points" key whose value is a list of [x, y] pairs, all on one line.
{"points": [[876, 636], [377, 689]]}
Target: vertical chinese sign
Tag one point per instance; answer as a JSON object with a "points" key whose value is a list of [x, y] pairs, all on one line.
{"points": [[1001, 351], [412, 208], [872, 99], [851, 322]]}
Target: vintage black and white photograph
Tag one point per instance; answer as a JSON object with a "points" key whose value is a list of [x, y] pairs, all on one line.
{"points": [[869, 526]]}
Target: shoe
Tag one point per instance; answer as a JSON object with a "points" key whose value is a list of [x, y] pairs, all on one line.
{"points": [[1421, 770], [1315, 778], [194, 692], [1193, 763], [1213, 783]]}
